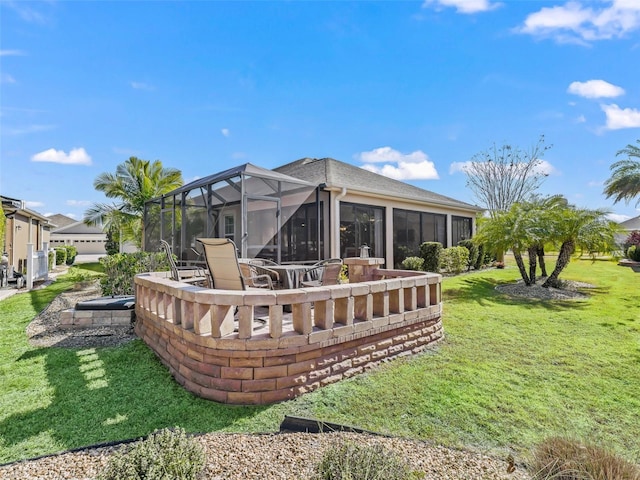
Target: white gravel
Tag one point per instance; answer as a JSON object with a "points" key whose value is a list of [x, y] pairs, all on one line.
{"points": [[284, 456]]}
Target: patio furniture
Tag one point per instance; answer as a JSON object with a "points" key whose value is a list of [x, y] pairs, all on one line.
{"points": [[188, 274], [325, 272], [290, 274], [225, 269]]}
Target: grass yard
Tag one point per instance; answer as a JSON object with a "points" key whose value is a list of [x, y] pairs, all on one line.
{"points": [[510, 373]]}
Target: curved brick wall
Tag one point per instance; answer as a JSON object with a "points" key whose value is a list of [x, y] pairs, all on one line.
{"points": [[262, 376]]}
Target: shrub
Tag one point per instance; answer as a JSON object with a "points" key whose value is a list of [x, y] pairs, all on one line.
{"points": [[71, 254], [111, 245], [350, 461], [61, 255], [51, 256], [430, 253], [480, 257], [563, 459], [454, 259], [473, 252], [633, 253], [120, 269], [413, 263], [164, 455], [632, 239]]}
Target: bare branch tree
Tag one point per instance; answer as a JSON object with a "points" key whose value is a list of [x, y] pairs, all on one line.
{"points": [[505, 175]]}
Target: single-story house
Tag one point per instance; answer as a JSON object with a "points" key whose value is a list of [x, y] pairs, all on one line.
{"points": [[23, 226], [88, 240], [307, 210]]}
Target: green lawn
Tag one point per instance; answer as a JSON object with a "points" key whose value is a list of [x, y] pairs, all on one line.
{"points": [[510, 373]]}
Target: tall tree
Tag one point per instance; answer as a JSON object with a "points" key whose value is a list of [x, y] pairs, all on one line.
{"points": [[134, 182], [624, 183], [502, 176]]}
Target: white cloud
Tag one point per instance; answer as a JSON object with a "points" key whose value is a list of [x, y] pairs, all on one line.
{"points": [[141, 86], [619, 118], [33, 204], [464, 6], [225, 132], [594, 183], [574, 22], [71, 215], [459, 167], [77, 156], [388, 154], [595, 89], [239, 155], [546, 168], [616, 217], [6, 78], [412, 166], [11, 53], [78, 203], [581, 119]]}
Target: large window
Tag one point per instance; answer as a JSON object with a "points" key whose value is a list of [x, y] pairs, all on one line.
{"points": [[361, 225], [460, 229], [411, 229]]}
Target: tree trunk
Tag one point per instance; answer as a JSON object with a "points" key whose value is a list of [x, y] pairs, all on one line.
{"points": [[566, 250], [543, 267], [533, 256], [523, 271]]}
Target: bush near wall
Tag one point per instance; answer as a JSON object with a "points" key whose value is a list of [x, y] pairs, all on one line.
{"points": [[61, 255], [120, 269], [471, 246], [454, 259], [51, 258], [413, 263], [71, 254], [430, 253]]}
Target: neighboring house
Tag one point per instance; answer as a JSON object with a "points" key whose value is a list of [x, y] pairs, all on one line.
{"points": [[631, 224], [23, 226], [307, 210], [88, 240]]}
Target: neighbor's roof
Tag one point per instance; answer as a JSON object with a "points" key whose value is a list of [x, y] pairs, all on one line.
{"points": [[78, 228], [246, 169], [16, 205], [631, 224], [335, 173], [61, 220]]}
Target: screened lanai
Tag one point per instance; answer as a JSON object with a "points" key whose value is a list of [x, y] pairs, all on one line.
{"points": [[267, 215]]}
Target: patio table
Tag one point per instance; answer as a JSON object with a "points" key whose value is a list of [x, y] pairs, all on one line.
{"points": [[291, 274]]}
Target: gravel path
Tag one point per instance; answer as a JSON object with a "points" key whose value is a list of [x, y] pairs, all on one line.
{"points": [[286, 456]]}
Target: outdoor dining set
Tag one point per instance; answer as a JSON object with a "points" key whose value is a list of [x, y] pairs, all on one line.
{"points": [[225, 270]]}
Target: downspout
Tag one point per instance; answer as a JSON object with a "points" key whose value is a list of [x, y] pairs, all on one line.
{"points": [[336, 226]]}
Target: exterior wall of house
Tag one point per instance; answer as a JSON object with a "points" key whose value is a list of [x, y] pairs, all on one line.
{"points": [[21, 230], [89, 244]]}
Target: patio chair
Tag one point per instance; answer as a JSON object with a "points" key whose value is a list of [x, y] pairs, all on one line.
{"points": [[325, 272], [192, 274], [225, 269]]}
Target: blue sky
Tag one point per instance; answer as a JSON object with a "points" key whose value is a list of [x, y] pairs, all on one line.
{"points": [[412, 89]]}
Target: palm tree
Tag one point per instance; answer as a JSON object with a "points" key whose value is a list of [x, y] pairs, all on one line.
{"points": [[573, 228], [624, 183], [135, 182], [516, 229]]}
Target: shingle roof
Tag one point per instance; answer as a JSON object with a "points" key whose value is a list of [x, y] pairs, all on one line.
{"points": [[61, 220], [631, 224], [335, 173]]}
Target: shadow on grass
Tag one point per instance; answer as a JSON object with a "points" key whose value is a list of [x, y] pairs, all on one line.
{"points": [[111, 394], [482, 291]]}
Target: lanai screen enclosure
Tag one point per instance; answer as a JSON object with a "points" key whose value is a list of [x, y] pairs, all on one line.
{"points": [[267, 215]]}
